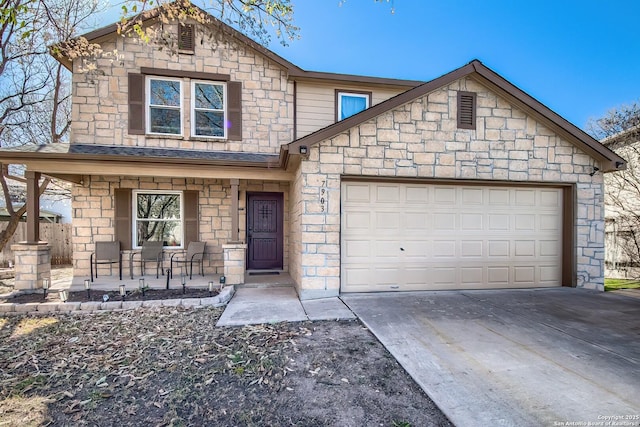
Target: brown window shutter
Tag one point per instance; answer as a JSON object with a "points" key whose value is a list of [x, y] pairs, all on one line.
{"points": [[466, 110], [123, 226], [186, 37], [136, 104], [191, 221], [234, 111]]}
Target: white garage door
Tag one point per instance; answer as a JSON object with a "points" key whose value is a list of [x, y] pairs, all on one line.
{"points": [[423, 237]]}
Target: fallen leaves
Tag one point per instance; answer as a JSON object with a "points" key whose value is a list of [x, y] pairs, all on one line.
{"points": [[85, 360], [170, 366], [29, 325]]}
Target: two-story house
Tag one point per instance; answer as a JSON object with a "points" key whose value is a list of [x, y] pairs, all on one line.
{"points": [[347, 183]]}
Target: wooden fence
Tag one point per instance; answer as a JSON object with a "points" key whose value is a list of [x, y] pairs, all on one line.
{"points": [[57, 235]]}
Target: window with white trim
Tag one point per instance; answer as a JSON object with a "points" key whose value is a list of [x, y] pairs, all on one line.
{"points": [[209, 101], [158, 217], [350, 103], [164, 105]]}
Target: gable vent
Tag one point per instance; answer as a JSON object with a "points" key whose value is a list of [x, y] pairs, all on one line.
{"points": [[186, 37], [466, 110]]}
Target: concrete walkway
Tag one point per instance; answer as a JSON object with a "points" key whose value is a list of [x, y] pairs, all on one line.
{"points": [[515, 357], [279, 304]]}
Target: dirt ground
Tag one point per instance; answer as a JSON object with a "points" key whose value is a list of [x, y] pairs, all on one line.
{"points": [[173, 367]]}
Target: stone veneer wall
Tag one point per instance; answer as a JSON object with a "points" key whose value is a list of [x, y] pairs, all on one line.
{"points": [[296, 247], [421, 140], [93, 211], [100, 97]]}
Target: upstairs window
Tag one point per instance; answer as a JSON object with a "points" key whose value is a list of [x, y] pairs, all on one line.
{"points": [[209, 109], [164, 106], [349, 103], [159, 102], [158, 218]]}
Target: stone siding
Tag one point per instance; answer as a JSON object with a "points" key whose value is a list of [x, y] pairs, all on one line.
{"points": [[420, 139], [94, 211], [100, 97]]}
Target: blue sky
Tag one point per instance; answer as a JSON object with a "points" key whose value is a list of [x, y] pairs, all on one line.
{"points": [[579, 58]]}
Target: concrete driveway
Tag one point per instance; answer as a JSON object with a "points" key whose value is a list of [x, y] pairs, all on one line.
{"points": [[543, 357]]}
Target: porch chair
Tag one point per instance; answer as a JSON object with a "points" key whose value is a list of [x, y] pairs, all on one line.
{"points": [[150, 252], [106, 253], [194, 253]]}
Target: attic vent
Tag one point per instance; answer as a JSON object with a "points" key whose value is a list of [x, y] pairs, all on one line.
{"points": [[186, 37], [466, 110]]}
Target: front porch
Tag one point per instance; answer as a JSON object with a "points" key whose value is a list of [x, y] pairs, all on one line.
{"points": [[112, 282]]}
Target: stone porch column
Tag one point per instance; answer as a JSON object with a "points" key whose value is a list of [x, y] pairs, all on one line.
{"points": [[234, 255], [32, 264]]}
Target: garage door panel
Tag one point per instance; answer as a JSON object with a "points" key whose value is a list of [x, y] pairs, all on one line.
{"points": [[386, 249], [386, 221], [524, 275], [444, 195], [472, 196], [357, 277], [418, 275], [357, 220], [550, 223], [444, 249], [354, 249], [525, 248], [525, 222], [387, 194], [356, 192], [417, 221], [386, 275], [499, 197], [549, 248], [471, 248], [550, 198], [471, 221], [413, 237], [471, 275], [417, 194], [412, 250], [444, 276], [498, 222], [525, 198], [498, 275], [444, 221], [499, 248]]}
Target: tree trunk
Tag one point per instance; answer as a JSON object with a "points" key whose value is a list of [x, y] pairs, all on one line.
{"points": [[12, 225]]}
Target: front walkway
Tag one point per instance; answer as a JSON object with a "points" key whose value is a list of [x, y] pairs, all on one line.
{"points": [[272, 304]]}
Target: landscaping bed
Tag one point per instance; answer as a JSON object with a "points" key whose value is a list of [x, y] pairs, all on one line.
{"points": [[99, 296]]}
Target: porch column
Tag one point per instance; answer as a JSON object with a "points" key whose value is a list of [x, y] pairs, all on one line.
{"points": [[33, 257], [33, 207], [234, 209], [32, 264], [234, 262]]}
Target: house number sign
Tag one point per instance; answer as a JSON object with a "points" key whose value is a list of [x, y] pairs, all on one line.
{"points": [[322, 196]]}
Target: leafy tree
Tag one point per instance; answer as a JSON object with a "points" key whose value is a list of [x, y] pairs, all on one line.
{"points": [[34, 87], [619, 130]]}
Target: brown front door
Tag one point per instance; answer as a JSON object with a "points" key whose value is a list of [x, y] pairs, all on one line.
{"points": [[264, 230]]}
